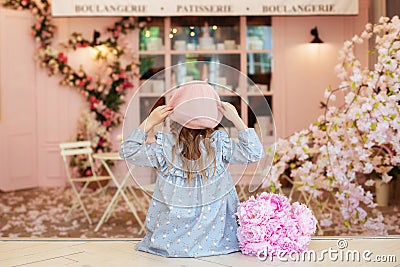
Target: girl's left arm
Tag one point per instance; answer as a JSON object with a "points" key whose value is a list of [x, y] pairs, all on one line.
{"points": [[136, 151], [247, 150]]}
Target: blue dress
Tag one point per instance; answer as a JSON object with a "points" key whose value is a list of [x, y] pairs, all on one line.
{"points": [[198, 218]]}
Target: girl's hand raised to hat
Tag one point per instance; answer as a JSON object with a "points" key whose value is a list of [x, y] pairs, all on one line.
{"points": [[158, 115], [230, 113]]}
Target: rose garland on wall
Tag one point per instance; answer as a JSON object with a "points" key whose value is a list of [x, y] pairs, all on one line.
{"points": [[105, 93], [361, 138]]}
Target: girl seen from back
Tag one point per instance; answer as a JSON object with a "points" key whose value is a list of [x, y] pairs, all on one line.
{"points": [[192, 212]]}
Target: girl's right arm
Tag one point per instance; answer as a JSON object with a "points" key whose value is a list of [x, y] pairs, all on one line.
{"points": [[134, 147], [158, 115], [136, 151]]}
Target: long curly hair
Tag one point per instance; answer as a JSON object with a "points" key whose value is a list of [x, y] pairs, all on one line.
{"points": [[188, 141]]}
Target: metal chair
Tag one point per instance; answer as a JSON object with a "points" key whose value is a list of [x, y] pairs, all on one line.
{"points": [[80, 184]]}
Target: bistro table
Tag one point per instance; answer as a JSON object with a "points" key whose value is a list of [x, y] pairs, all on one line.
{"points": [[122, 189]]}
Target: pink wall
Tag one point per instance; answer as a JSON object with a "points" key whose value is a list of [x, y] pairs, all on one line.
{"points": [[302, 71], [36, 112], [18, 124], [50, 111]]}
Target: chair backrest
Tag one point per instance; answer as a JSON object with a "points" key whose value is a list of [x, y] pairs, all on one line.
{"points": [[74, 149]]}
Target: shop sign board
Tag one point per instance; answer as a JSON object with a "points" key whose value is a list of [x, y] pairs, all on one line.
{"points": [[85, 8]]}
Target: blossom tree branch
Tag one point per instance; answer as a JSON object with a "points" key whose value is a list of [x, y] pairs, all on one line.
{"points": [[362, 137]]}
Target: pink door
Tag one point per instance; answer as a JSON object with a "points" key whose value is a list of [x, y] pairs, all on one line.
{"points": [[18, 127]]}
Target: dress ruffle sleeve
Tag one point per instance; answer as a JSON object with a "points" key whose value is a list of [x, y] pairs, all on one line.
{"points": [[164, 156], [247, 150], [136, 151]]}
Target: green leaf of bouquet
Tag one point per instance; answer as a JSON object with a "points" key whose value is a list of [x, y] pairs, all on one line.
{"points": [[273, 188]]}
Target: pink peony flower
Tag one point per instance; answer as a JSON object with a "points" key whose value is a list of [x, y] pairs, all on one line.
{"points": [[252, 249], [248, 213], [305, 218], [251, 233], [269, 223], [279, 203]]}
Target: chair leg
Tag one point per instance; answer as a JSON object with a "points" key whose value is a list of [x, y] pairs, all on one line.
{"points": [[112, 210], [142, 226], [108, 210], [103, 189], [74, 205], [79, 201]]}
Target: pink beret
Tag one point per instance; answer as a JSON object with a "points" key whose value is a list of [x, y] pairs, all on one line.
{"points": [[196, 106]]}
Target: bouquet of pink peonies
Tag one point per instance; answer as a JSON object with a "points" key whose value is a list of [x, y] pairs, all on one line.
{"points": [[269, 223]]}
